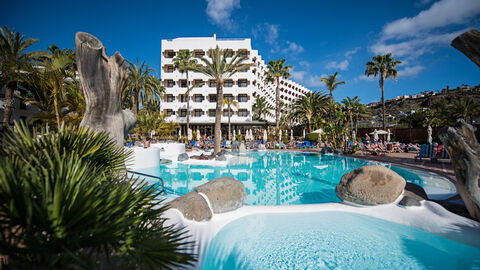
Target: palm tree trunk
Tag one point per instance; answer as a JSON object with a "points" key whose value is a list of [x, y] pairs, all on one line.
{"points": [[188, 106], [331, 105], [135, 102], [229, 129], [8, 104], [218, 117], [383, 100], [57, 114], [277, 101]]}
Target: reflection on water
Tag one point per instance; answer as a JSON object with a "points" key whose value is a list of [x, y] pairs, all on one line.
{"points": [[273, 178]]}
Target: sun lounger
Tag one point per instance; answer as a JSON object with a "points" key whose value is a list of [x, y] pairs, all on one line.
{"points": [[427, 151], [308, 145]]}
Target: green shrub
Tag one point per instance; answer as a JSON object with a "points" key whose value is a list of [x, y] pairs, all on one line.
{"points": [[239, 137], [311, 137], [66, 203]]}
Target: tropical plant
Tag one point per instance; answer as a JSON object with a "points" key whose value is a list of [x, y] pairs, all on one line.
{"points": [[141, 86], [66, 203], [229, 103], [331, 84], [312, 105], [14, 60], [464, 108], [261, 108], [219, 69], [350, 105], [276, 70], [383, 66], [182, 62]]}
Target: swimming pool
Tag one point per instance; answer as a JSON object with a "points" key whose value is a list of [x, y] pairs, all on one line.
{"points": [[332, 240], [286, 178]]}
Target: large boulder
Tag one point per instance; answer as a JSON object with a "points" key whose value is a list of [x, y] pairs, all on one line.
{"points": [[370, 185], [413, 195], [261, 147], [242, 148], [464, 151], [327, 150], [467, 43], [224, 193], [193, 206], [235, 146], [182, 157], [221, 158]]}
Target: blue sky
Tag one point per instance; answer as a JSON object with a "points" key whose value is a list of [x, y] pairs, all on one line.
{"points": [[316, 37]]}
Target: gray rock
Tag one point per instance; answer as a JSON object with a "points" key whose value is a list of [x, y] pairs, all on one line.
{"points": [[464, 151], [409, 201], [370, 185], [467, 43], [220, 158], [235, 145], [261, 147], [193, 206], [102, 79], [165, 161], [415, 191], [327, 150], [182, 157], [225, 194], [241, 148]]}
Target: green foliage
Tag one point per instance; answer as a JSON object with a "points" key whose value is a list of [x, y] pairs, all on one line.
{"points": [[66, 203], [331, 84], [312, 137], [148, 121], [261, 108], [239, 137]]}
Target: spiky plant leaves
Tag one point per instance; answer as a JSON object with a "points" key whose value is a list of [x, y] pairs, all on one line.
{"points": [[66, 203]]}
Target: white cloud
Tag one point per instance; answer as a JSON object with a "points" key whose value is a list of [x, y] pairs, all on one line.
{"points": [[349, 54], [293, 48], [298, 76], [410, 71], [334, 65], [220, 11], [304, 63], [315, 80], [443, 13], [364, 77], [268, 31]]}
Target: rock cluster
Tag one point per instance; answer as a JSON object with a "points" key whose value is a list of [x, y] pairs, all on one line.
{"points": [[223, 194], [182, 157]]}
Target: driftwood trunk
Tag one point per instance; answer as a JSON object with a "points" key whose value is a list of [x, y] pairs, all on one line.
{"points": [[102, 79], [464, 151], [469, 44]]}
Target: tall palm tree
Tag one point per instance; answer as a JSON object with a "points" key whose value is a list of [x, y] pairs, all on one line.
{"points": [[229, 103], [219, 69], [261, 108], [138, 84], [464, 108], [350, 105], [182, 62], [384, 67], [276, 70], [331, 85], [309, 106], [13, 61]]}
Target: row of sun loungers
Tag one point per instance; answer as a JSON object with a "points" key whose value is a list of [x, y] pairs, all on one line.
{"points": [[433, 152]]}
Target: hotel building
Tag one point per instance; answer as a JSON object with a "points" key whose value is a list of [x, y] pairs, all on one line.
{"points": [[242, 87]]}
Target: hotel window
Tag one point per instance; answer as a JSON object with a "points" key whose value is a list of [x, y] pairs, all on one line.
{"points": [[242, 83], [169, 69], [198, 98], [212, 98], [228, 83], [229, 96], [183, 83], [242, 53], [199, 82], [169, 98], [170, 83], [170, 112], [170, 54], [244, 70], [243, 112], [211, 113], [242, 98], [199, 54], [183, 112], [212, 83], [197, 113], [225, 112], [183, 98], [230, 52]]}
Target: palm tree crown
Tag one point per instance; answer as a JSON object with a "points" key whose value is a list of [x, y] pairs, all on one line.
{"points": [[306, 108], [182, 62], [219, 69], [331, 84], [261, 108], [382, 66]]}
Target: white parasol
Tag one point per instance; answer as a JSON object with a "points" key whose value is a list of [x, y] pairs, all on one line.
{"points": [[429, 131], [388, 135], [189, 134], [198, 135], [291, 134], [304, 133], [234, 135], [265, 137], [375, 135], [280, 134]]}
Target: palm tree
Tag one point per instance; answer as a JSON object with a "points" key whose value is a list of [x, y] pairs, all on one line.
{"points": [[384, 67], [261, 108], [276, 70], [13, 61], [309, 106], [464, 108], [139, 87], [228, 102], [331, 85], [350, 105], [219, 69], [182, 62]]}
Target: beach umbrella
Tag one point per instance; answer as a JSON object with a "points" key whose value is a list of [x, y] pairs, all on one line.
{"points": [[319, 131], [388, 135], [234, 135], [180, 132], [280, 134], [251, 134], [198, 135], [429, 131], [291, 134], [354, 136], [375, 135], [152, 133], [189, 134], [265, 137], [304, 133]]}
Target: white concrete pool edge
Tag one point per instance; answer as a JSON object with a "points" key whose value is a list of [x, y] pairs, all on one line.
{"points": [[429, 217]]}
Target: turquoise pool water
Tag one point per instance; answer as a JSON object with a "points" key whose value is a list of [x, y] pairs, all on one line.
{"points": [[285, 178], [332, 240]]}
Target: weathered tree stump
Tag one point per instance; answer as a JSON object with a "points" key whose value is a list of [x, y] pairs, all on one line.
{"points": [[468, 43], [464, 151], [102, 79]]}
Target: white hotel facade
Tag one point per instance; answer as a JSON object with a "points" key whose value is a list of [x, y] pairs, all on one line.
{"points": [[242, 87]]}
